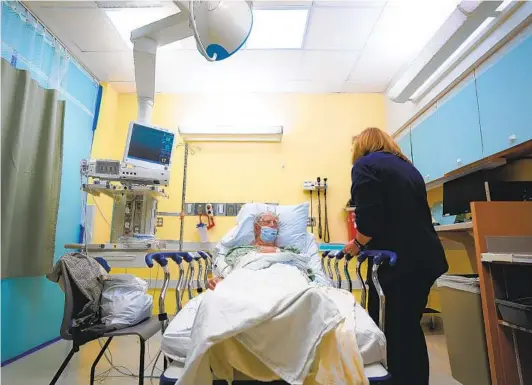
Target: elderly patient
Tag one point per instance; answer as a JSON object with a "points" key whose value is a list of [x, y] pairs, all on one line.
{"points": [[266, 228]]}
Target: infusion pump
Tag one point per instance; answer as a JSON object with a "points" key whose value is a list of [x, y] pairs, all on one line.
{"points": [[114, 170]]}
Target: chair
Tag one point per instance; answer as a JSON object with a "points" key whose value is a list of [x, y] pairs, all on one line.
{"points": [[144, 330]]}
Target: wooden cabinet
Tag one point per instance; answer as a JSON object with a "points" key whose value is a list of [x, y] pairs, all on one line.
{"points": [[505, 99]]}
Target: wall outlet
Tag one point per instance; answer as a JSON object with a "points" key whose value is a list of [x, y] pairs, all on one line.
{"points": [[160, 222], [219, 209], [200, 208], [230, 210], [190, 208], [238, 207]]}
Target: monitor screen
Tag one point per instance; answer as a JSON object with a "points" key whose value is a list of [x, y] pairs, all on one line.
{"points": [[459, 193], [150, 145]]}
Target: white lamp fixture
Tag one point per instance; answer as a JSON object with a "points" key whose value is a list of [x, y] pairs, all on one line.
{"points": [[464, 27], [231, 133]]}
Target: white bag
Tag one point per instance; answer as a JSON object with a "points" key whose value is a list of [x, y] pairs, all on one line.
{"points": [[125, 301]]}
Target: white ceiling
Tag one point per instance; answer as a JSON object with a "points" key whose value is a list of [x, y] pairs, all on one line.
{"points": [[349, 46]]}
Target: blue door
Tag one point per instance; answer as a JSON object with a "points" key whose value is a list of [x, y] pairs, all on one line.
{"points": [[505, 100]]}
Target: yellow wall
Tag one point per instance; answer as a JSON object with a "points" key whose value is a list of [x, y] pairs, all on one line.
{"points": [[104, 147], [316, 142]]}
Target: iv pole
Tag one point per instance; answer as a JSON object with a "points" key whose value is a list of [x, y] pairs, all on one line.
{"points": [[183, 198]]}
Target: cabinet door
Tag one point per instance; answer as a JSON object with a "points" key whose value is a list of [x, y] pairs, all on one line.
{"points": [[427, 152], [505, 99], [457, 122], [403, 140]]}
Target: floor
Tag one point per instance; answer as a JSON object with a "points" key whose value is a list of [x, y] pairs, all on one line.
{"points": [[40, 367]]}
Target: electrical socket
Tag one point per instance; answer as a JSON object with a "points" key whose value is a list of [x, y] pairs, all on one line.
{"points": [[230, 210], [160, 222], [200, 208], [219, 209], [190, 208]]}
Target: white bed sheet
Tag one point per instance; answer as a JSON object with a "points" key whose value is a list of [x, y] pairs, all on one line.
{"points": [[176, 342]]}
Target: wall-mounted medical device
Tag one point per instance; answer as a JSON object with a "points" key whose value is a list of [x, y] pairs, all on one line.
{"points": [[147, 158], [149, 147]]}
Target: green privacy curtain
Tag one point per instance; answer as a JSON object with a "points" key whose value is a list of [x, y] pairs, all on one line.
{"points": [[32, 134]]}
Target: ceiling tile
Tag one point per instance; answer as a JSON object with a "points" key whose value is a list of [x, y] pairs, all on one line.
{"points": [[61, 4], [327, 65], [87, 28], [340, 28], [350, 3], [110, 66], [376, 68], [360, 88]]}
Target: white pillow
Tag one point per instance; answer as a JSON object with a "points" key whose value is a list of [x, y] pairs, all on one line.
{"points": [[292, 224]]}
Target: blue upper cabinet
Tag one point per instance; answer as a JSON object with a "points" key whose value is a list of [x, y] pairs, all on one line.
{"points": [[426, 151], [403, 140], [450, 137], [505, 99], [457, 120]]}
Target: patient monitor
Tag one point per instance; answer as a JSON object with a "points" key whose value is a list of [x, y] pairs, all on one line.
{"points": [[147, 158], [145, 167]]}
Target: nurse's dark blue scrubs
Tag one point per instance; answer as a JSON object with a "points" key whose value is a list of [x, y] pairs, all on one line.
{"points": [[391, 206]]}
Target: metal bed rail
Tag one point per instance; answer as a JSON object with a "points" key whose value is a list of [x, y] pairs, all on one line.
{"points": [[202, 260]]}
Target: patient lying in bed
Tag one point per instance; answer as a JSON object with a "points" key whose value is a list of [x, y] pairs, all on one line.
{"points": [[269, 315], [266, 228]]}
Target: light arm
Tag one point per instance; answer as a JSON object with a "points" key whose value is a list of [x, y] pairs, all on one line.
{"points": [[146, 40]]}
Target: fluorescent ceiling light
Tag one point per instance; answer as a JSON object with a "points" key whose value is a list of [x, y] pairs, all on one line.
{"points": [[459, 51], [503, 5], [126, 20], [231, 133], [278, 29], [231, 130]]}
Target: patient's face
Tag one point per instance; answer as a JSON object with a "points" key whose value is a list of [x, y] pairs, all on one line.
{"points": [[267, 220]]}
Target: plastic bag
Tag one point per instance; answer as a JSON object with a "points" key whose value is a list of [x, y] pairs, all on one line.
{"points": [[125, 301]]}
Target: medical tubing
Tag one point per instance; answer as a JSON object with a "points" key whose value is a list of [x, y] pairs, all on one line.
{"points": [[319, 208], [183, 197], [326, 235]]}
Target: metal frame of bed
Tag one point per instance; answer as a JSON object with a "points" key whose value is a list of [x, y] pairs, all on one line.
{"points": [[203, 261]]}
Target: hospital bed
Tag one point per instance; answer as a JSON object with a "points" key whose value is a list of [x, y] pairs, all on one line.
{"points": [[202, 260]]}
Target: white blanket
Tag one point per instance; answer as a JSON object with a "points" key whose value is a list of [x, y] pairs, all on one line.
{"points": [[271, 309]]}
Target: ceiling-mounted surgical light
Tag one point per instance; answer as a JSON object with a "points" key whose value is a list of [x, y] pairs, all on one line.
{"points": [[464, 27]]}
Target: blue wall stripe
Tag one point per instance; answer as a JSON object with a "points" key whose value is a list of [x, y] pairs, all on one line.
{"points": [[97, 111], [31, 351]]}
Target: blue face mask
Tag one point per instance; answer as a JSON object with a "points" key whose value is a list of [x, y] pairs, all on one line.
{"points": [[268, 234]]}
